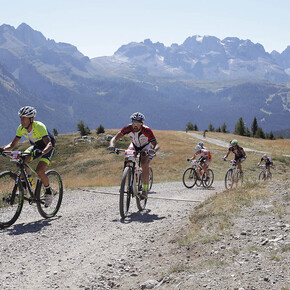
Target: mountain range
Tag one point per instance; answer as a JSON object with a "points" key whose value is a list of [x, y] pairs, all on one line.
{"points": [[202, 80]]}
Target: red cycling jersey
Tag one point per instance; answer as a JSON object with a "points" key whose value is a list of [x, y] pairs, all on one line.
{"points": [[141, 138]]}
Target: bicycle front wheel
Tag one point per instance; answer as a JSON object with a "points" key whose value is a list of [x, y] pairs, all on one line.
{"points": [[56, 186], [207, 180], [11, 199], [189, 177], [229, 179], [262, 176], [126, 191]]}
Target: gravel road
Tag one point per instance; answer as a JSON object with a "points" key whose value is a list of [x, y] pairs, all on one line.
{"points": [[87, 246]]}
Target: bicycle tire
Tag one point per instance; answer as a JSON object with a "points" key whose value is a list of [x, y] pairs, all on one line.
{"points": [[239, 178], [189, 177], [262, 176], [141, 203], [125, 192], [150, 179], [56, 186], [9, 213], [207, 183], [229, 179]]}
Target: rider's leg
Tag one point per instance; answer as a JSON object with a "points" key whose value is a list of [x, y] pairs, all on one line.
{"points": [[40, 170], [145, 172]]}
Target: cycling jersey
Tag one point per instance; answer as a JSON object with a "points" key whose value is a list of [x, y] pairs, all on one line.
{"points": [[141, 138], [204, 153], [36, 135], [268, 161], [238, 152]]}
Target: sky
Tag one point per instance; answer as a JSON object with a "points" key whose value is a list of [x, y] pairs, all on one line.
{"points": [[100, 27]]}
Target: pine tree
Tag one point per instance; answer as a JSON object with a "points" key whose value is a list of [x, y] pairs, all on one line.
{"points": [[260, 133], [189, 127], [224, 128], [240, 128], [254, 126], [195, 128], [55, 132], [100, 129], [210, 127], [83, 129]]}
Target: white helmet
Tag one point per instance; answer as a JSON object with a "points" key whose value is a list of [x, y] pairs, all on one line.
{"points": [[27, 111], [138, 116], [265, 156], [200, 143], [197, 148]]}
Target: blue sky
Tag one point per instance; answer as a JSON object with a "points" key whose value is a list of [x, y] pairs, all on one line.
{"points": [[99, 28]]}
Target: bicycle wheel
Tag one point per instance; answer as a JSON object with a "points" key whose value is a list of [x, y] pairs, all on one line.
{"points": [[239, 178], [189, 177], [207, 182], [262, 176], [56, 186], [150, 178], [125, 192], [229, 179], [11, 199]]}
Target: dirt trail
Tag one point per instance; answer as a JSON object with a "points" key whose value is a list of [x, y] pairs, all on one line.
{"points": [[87, 245]]}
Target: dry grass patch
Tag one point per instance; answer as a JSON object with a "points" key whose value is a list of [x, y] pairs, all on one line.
{"points": [[215, 214]]}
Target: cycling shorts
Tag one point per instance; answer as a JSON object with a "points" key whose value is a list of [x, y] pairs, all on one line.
{"points": [[240, 160], [46, 158]]}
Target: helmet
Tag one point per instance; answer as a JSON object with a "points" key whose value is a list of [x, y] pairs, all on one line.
{"points": [[265, 156], [234, 142], [27, 111], [138, 117], [197, 148], [200, 143]]}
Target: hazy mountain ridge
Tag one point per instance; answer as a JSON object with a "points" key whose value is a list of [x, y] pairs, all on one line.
{"points": [[201, 58], [67, 86]]}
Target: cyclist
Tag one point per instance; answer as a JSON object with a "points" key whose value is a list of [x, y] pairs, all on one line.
{"points": [[143, 140], [201, 145], [268, 161], [42, 144], [239, 152], [205, 157]]}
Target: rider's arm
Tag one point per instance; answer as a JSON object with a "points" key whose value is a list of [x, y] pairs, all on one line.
{"points": [[11, 145], [244, 153], [47, 142], [115, 139], [155, 145], [227, 154]]}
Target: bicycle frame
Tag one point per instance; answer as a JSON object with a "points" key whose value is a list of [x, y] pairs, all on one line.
{"points": [[21, 164]]}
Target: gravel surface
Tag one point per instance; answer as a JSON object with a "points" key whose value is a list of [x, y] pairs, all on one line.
{"points": [[87, 245]]}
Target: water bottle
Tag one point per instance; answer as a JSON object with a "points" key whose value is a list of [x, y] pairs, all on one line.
{"points": [[30, 178]]}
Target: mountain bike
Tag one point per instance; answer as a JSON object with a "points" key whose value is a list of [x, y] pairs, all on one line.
{"points": [[13, 193], [131, 184], [264, 174], [195, 175], [233, 175]]}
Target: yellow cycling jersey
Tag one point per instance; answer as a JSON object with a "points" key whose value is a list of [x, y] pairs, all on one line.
{"points": [[38, 131]]}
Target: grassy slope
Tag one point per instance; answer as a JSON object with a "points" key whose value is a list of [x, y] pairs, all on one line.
{"points": [[87, 164]]}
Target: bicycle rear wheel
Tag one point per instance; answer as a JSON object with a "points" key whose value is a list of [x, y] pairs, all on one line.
{"points": [[239, 178], [229, 179], [150, 178], [189, 177], [11, 199], [126, 191], [56, 186], [207, 182], [262, 176]]}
